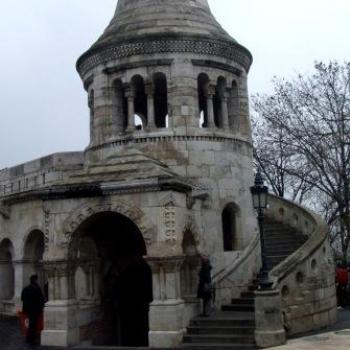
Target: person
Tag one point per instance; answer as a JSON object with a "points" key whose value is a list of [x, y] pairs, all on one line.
{"points": [[33, 304], [205, 285], [342, 280]]}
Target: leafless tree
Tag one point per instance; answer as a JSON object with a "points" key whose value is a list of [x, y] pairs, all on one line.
{"points": [[309, 118]]}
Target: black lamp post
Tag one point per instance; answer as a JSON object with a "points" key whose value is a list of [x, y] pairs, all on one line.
{"points": [[259, 194]]}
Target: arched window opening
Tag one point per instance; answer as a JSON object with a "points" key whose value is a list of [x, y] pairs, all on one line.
{"points": [[234, 107], [7, 273], [119, 107], [160, 100], [218, 101], [203, 82], [33, 253], [140, 101], [229, 227]]}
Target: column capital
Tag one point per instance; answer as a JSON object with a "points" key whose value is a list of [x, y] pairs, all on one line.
{"points": [[149, 89], [129, 90], [169, 264], [210, 91]]}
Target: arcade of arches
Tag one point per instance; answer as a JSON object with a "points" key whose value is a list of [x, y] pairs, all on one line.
{"points": [[16, 273], [144, 105]]}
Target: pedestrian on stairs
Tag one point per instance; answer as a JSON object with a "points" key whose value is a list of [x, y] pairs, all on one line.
{"points": [[205, 289]]}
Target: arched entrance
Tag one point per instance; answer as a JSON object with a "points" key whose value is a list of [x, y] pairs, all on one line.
{"points": [[33, 258], [119, 279], [7, 274]]}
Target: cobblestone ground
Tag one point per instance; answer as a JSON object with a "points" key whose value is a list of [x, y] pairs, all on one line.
{"points": [[11, 338]]}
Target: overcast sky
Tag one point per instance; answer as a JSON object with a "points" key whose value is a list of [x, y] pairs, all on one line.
{"points": [[43, 104]]}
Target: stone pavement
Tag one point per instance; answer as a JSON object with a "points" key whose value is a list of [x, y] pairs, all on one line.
{"points": [[336, 337]]}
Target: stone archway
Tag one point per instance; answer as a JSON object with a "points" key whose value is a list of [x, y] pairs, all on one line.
{"points": [[34, 248], [112, 280], [7, 274]]}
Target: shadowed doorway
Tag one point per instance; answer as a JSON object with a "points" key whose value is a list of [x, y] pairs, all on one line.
{"points": [[124, 278]]}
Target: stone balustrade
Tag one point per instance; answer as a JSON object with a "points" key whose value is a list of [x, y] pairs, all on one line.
{"points": [[303, 284]]}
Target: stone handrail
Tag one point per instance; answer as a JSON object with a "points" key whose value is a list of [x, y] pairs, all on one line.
{"points": [[304, 222], [303, 295], [237, 262]]}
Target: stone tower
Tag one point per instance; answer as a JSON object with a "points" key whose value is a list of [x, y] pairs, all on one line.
{"points": [[116, 230]]}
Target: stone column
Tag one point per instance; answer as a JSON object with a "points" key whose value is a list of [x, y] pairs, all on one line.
{"points": [[269, 330], [224, 112], [149, 89], [167, 310], [130, 95], [210, 106], [60, 323]]}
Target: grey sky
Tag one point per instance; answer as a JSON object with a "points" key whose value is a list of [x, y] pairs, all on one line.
{"points": [[43, 104]]}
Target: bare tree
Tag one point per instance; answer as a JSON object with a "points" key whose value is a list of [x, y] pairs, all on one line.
{"points": [[310, 117]]}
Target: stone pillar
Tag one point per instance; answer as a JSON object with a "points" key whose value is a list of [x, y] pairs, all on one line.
{"points": [[167, 310], [130, 95], [210, 106], [224, 112], [149, 89], [269, 330], [60, 324]]}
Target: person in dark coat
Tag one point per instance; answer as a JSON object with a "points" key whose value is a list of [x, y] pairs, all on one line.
{"points": [[205, 291], [33, 304]]}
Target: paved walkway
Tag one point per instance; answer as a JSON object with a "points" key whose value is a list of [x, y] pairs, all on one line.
{"points": [[334, 338]]}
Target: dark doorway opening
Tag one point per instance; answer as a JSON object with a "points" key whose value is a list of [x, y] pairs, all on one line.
{"points": [[125, 280]]}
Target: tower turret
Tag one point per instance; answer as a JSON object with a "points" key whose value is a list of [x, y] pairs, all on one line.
{"points": [[165, 67]]}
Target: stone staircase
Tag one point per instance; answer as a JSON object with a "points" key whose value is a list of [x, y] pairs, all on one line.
{"points": [[280, 241], [233, 327]]}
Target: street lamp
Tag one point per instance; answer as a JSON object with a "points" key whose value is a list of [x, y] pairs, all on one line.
{"points": [[259, 193]]}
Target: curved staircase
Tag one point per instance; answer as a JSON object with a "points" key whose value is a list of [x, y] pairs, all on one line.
{"points": [[233, 327]]}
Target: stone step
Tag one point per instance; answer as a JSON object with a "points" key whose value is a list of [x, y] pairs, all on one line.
{"points": [[248, 295], [274, 252], [223, 339], [248, 320], [219, 346], [115, 348], [250, 301], [221, 330], [238, 307]]}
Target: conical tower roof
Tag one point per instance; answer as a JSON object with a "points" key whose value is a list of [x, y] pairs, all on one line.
{"points": [[138, 18], [137, 21]]}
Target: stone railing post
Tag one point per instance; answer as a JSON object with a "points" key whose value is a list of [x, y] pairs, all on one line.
{"points": [[130, 95], [210, 106], [167, 308], [149, 90], [269, 330], [224, 112]]}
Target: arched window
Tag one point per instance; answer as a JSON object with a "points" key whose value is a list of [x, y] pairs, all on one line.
{"points": [[160, 100], [140, 102], [33, 254], [230, 216], [203, 82], [234, 107], [7, 274], [120, 107], [219, 98]]}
